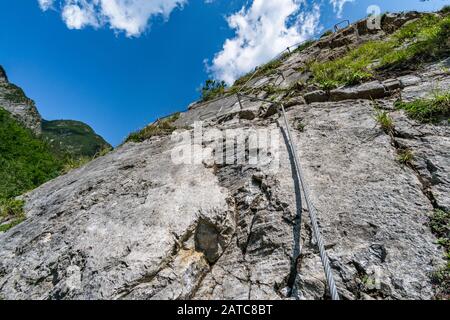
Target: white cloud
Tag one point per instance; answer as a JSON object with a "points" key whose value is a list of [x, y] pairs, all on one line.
{"points": [[78, 14], [130, 16], [262, 31], [45, 4], [338, 6]]}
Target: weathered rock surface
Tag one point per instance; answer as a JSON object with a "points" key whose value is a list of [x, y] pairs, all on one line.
{"points": [[135, 225], [14, 101]]}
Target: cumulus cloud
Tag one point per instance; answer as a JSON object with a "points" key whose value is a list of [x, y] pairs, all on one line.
{"points": [[45, 4], [78, 14], [130, 16], [262, 30], [338, 6]]}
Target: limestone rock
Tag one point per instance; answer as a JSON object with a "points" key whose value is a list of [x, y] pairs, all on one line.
{"points": [[135, 224]]}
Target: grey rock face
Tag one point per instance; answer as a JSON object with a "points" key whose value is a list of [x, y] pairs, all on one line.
{"points": [[3, 77], [316, 96], [370, 90], [135, 225], [13, 100]]}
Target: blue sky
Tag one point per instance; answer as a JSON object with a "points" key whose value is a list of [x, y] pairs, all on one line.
{"points": [[118, 65]]}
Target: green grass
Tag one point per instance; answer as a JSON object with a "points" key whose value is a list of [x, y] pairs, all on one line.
{"points": [[351, 69], [305, 45], [264, 70], [426, 39], [17, 220], [74, 163], [429, 110], [162, 127], [440, 223], [385, 121], [405, 156], [440, 226], [11, 210]]}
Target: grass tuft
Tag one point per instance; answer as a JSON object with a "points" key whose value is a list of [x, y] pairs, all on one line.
{"points": [[264, 70], [11, 212], [429, 110], [385, 121], [440, 226], [405, 156], [72, 163], [161, 128]]}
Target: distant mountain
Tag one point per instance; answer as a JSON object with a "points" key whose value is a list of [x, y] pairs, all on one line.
{"points": [[66, 137], [73, 137], [34, 151]]}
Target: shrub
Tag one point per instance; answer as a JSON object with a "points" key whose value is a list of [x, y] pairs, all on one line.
{"points": [[25, 161], [428, 110], [212, 89], [445, 9], [72, 163]]}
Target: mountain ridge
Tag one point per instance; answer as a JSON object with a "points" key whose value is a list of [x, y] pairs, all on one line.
{"points": [[15, 101]]}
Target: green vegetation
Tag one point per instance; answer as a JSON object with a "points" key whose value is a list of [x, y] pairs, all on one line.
{"points": [[213, 89], [405, 156], [429, 110], [266, 70], [25, 160], [73, 139], [160, 128], [301, 126], [11, 210], [440, 226], [73, 163], [385, 121], [416, 42], [305, 45], [270, 67], [326, 34], [25, 163]]}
